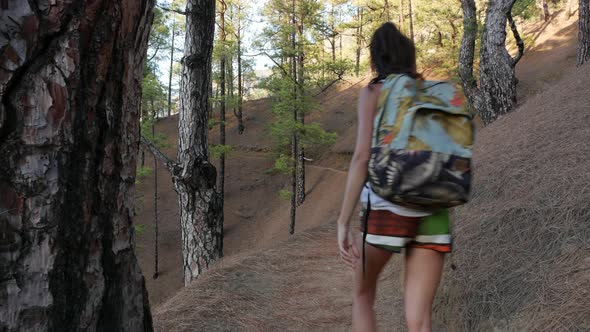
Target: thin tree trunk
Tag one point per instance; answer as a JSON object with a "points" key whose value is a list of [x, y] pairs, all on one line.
{"points": [[584, 34], [359, 41], [211, 101], [467, 54], [544, 9], [333, 31], [171, 70], [340, 37], [411, 14], [387, 10], [240, 83], [402, 24], [69, 125], [222, 83], [156, 233], [301, 97], [294, 148]]}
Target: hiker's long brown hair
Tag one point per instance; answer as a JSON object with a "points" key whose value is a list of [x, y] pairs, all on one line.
{"points": [[392, 53]]}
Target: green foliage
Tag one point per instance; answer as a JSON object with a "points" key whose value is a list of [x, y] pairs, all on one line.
{"points": [[526, 9], [283, 164], [313, 135], [218, 150], [159, 140], [141, 173], [139, 229], [285, 194]]}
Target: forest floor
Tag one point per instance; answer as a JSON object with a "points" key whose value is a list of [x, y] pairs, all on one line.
{"points": [[269, 280]]}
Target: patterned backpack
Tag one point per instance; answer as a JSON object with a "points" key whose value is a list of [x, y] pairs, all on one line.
{"points": [[422, 144]]}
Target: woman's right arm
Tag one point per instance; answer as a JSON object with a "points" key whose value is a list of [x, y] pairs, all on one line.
{"points": [[357, 174]]}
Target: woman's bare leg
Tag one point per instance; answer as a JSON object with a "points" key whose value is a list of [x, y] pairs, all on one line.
{"points": [[363, 295], [423, 273]]}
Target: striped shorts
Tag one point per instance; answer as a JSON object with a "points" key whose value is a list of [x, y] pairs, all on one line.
{"points": [[393, 232]]}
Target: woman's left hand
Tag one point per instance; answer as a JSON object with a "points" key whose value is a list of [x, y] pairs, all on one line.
{"points": [[348, 249]]}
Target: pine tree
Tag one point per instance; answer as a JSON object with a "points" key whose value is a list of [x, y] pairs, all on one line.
{"points": [[496, 93], [66, 191], [584, 34]]}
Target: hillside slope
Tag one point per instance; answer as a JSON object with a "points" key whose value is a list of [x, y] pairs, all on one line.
{"points": [[255, 216], [522, 246]]}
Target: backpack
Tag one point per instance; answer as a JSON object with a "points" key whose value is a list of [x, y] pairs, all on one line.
{"points": [[422, 144]]}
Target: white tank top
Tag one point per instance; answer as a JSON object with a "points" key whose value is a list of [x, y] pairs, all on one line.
{"points": [[378, 203]]}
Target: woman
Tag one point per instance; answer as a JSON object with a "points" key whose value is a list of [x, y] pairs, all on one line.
{"points": [[391, 228]]}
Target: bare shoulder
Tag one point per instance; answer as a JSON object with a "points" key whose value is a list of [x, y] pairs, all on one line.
{"points": [[370, 93]]}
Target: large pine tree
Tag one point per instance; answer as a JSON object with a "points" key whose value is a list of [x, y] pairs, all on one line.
{"points": [[69, 126]]}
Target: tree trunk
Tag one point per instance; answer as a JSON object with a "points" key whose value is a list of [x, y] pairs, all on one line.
{"points": [[359, 41], [201, 208], [294, 148], [411, 14], [584, 34], [301, 97], [333, 31], [240, 83], [171, 70], [402, 24], [496, 94], [544, 9], [222, 83], [156, 233], [467, 54], [211, 102], [70, 94], [387, 10], [497, 75]]}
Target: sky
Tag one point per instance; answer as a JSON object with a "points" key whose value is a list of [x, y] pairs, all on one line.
{"points": [[251, 31]]}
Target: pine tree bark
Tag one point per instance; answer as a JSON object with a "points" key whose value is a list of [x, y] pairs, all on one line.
{"points": [[301, 97], [359, 40], [240, 83], [156, 221], [70, 75], [201, 207], [496, 93], [584, 34], [222, 108], [294, 148], [333, 31], [171, 70]]}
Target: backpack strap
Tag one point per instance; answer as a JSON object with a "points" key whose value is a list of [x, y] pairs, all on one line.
{"points": [[381, 113], [366, 224]]}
